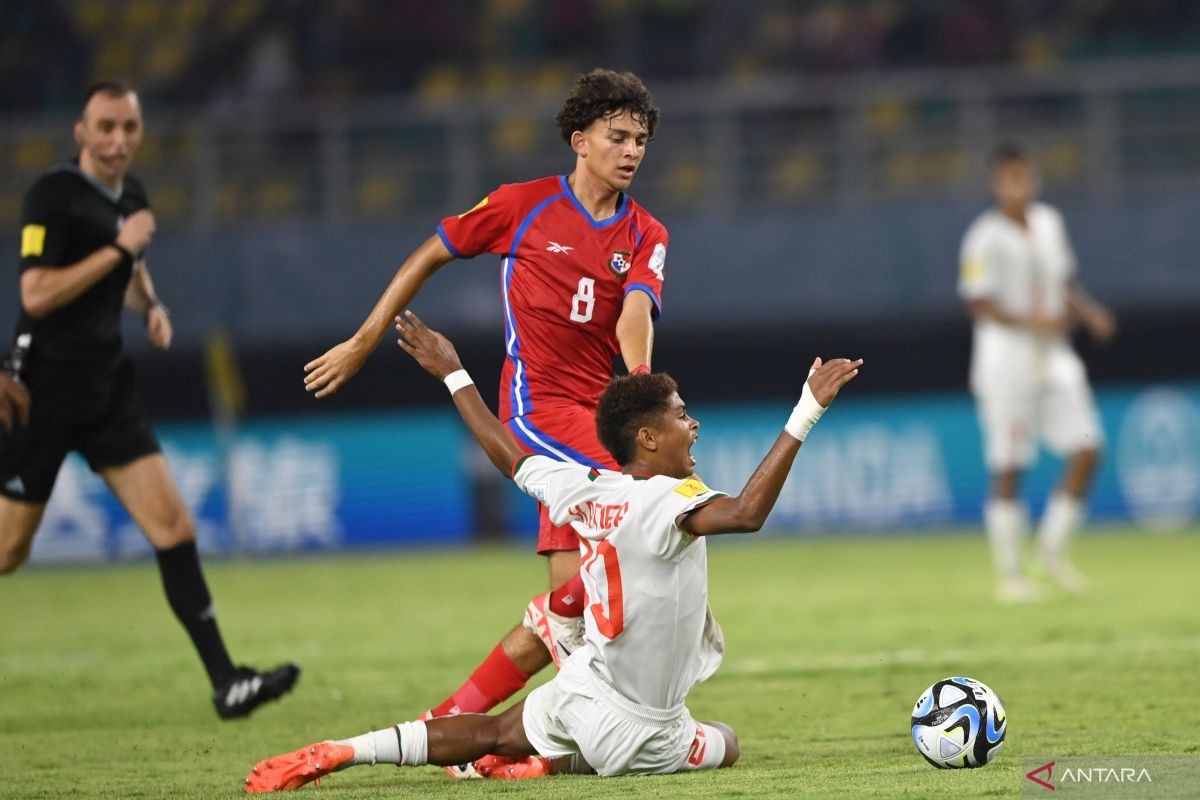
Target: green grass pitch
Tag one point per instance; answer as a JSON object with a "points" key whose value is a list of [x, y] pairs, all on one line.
{"points": [[830, 642]]}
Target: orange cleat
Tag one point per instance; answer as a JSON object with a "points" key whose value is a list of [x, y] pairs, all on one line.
{"points": [[293, 770], [503, 768]]}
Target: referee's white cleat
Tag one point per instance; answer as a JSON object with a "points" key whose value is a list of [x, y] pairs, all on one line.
{"points": [[249, 688], [561, 635]]}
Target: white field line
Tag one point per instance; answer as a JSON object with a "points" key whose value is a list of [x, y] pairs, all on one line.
{"points": [[45, 663], [51, 662], [1023, 654]]}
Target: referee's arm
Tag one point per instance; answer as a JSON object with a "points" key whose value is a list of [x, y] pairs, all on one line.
{"points": [[45, 289], [142, 299]]}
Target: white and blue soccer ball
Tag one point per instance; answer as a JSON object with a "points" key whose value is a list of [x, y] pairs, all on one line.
{"points": [[958, 722]]}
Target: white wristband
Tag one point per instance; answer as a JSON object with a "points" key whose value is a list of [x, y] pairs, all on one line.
{"points": [[805, 414], [457, 380]]}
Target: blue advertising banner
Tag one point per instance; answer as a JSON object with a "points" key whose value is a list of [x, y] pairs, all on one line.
{"points": [[917, 462], [324, 483]]}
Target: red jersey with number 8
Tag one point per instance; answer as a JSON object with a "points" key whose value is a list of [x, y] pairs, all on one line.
{"points": [[564, 277]]}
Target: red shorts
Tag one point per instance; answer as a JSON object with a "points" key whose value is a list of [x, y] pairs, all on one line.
{"points": [[564, 433]]}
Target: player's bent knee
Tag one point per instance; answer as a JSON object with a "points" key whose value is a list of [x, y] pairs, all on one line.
{"points": [[732, 750], [511, 739]]}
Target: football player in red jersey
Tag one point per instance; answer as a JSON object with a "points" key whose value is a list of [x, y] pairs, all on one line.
{"points": [[581, 269]]}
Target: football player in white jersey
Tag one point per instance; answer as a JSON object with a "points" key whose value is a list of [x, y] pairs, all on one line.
{"points": [[617, 705], [1018, 281]]}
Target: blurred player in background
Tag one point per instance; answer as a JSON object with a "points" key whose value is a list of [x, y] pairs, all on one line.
{"points": [[618, 704], [85, 226], [581, 277], [1018, 280]]}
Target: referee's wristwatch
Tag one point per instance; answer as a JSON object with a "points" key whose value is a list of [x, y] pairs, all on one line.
{"points": [[126, 256]]}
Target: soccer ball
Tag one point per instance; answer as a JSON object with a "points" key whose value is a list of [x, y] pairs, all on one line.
{"points": [[958, 722]]}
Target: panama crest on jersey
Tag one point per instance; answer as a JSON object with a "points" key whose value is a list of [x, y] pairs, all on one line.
{"points": [[621, 261]]}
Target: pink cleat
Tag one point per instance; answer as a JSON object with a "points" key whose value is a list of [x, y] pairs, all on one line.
{"points": [[293, 770]]}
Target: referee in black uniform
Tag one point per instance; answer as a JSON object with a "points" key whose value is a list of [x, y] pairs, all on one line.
{"points": [[85, 226]]}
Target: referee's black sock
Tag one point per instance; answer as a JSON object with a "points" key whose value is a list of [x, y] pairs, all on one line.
{"points": [[188, 595]]}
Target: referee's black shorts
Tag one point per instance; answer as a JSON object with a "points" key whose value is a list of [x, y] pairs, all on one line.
{"points": [[95, 413]]}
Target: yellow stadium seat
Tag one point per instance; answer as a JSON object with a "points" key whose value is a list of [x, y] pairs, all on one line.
{"points": [[796, 175], [514, 136], [277, 198], [166, 57], [379, 194], [10, 210], [171, 201], [34, 155], [143, 16], [229, 201], [92, 18], [686, 178]]}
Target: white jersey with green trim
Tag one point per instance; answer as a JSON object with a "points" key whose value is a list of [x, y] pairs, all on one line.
{"points": [[649, 632], [1023, 271]]}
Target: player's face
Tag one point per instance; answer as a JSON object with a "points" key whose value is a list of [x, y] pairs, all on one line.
{"points": [[1015, 183], [613, 148], [677, 435], [109, 135]]}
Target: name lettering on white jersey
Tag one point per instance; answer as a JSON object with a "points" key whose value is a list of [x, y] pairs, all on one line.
{"points": [[599, 516], [555, 247]]}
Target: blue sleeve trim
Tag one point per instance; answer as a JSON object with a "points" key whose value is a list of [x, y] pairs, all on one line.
{"points": [[441, 232], [645, 287]]}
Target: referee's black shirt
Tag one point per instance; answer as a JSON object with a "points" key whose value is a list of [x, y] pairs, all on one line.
{"points": [[67, 216]]}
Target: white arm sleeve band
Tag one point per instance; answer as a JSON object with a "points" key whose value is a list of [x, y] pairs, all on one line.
{"points": [[805, 414], [457, 380]]}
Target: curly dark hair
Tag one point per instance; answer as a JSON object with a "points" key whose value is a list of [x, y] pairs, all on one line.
{"points": [[630, 402], [603, 93]]}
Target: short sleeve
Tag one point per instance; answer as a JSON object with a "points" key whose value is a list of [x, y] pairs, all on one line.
{"points": [[976, 278], [557, 485], [649, 265], [695, 495], [43, 226], [486, 228]]}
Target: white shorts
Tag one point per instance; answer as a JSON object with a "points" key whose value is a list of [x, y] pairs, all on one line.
{"points": [[1016, 411], [577, 713]]}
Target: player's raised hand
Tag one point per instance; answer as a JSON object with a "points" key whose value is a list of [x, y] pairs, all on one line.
{"points": [[14, 402], [826, 379], [327, 373], [432, 351]]}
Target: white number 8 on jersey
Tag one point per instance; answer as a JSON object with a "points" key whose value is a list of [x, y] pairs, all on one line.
{"points": [[584, 300]]}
